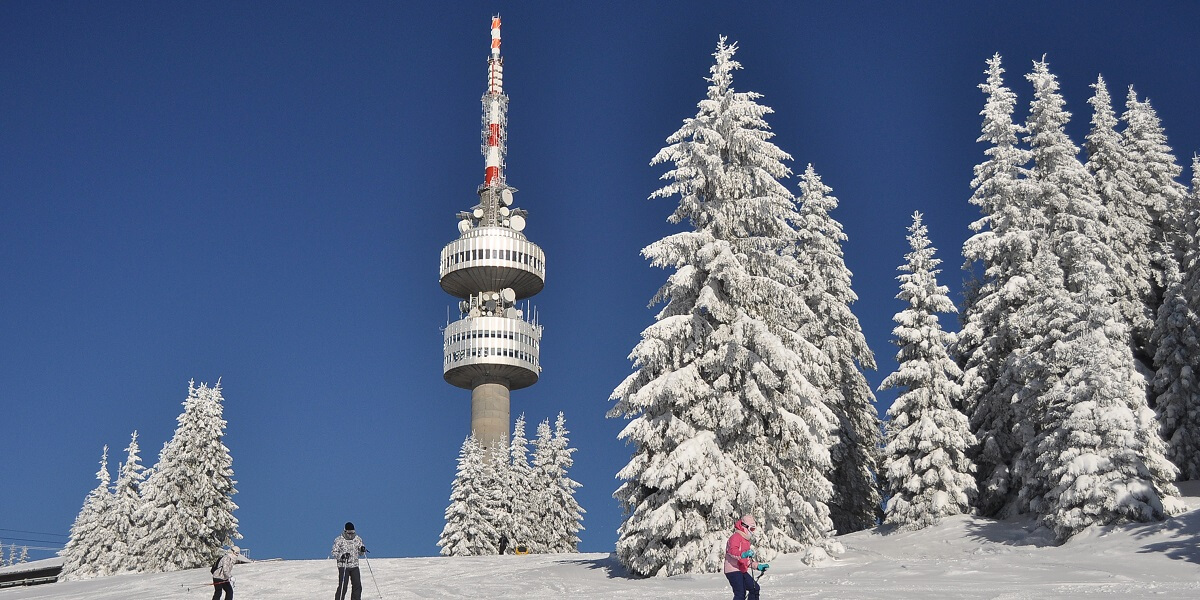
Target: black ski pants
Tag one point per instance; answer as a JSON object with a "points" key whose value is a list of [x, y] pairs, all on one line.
{"points": [[743, 584], [348, 576], [222, 585]]}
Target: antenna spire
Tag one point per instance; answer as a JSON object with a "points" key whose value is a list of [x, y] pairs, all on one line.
{"points": [[495, 111]]}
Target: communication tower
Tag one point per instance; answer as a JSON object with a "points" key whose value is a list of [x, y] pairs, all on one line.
{"points": [[493, 347]]}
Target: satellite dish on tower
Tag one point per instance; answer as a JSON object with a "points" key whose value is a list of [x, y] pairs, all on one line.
{"points": [[517, 222], [474, 311], [510, 312], [508, 295], [463, 226], [506, 197], [478, 213], [504, 211]]}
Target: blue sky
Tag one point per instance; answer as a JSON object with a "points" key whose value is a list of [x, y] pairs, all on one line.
{"points": [[258, 192]]}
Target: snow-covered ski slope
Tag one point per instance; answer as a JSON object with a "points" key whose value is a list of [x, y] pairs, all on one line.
{"points": [[964, 557]]}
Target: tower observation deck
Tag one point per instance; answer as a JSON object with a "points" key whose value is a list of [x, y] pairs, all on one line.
{"points": [[494, 346]]}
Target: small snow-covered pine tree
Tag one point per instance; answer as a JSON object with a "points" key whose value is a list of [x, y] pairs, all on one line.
{"points": [[1177, 339], [724, 417], [470, 518], [926, 472], [855, 504], [187, 500], [126, 500], [541, 501], [554, 490], [1002, 251], [519, 492], [498, 460], [88, 550]]}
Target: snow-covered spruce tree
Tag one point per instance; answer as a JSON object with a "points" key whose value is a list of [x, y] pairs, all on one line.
{"points": [[470, 518], [518, 492], [1099, 459], [554, 490], [724, 417], [126, 500], [1092, 454], [1177, 339], [564, 490], [826, 289], [1001, 254], [1156, 171], [88, 549], [541, 502], [926, 472], [1130, 222], [1076, 234], [187, 500]]}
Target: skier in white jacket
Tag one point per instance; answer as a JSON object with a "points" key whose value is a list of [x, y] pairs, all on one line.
{"points": [[223, 574], [346, 549]]}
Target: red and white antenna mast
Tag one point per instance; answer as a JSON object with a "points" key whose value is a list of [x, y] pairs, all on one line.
{"points": [[495, 114], [494, 347]]}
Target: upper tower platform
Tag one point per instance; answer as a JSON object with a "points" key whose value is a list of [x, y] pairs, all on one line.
{"points": [[491, 266]]}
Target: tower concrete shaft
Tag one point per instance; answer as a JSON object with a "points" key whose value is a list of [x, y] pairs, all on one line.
{"points": [[489, 412], [495, 345]]}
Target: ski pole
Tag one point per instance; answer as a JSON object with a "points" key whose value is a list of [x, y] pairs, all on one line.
{"points": [[341, 591], [190, 586], [372, 572]]}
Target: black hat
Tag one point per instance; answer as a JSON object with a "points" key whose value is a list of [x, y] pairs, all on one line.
{"points": [[349, 526]]}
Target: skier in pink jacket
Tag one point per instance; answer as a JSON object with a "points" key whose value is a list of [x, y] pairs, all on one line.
{"points": [[739, 559]]}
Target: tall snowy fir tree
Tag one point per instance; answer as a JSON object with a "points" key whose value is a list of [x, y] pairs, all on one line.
{"points": [[474, 501], [1075, 233], [1090, 448], [126, 500], [187, 500], [926, 472], [89, 548], [724, 415], [1129, 220], [1001, 254], [1177, 339], [1156, 171], [825, 287], [561, 516]]}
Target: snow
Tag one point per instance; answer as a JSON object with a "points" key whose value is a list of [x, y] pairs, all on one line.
{"points": [[963, 557]]}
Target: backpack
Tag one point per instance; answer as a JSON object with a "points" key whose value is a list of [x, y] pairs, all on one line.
{"points": [[216, 564]]}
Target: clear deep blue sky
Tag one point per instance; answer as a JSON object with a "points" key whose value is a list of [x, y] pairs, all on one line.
{"points": [[258, 192]]}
